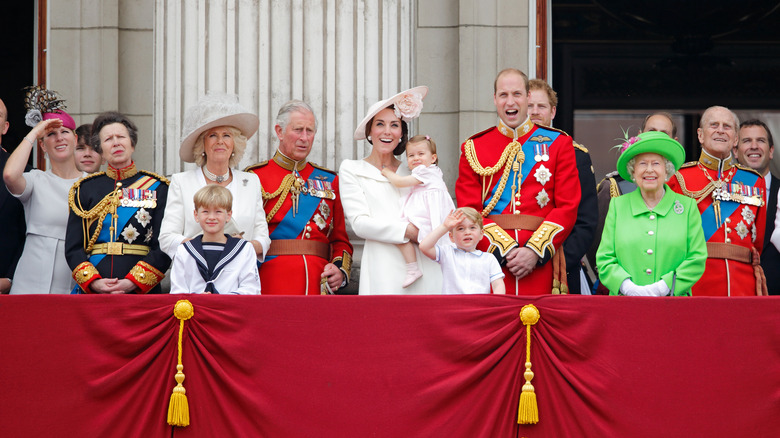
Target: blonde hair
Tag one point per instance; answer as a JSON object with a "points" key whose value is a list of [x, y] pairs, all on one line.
{"points": [[213, 196], [425, 139], [239, 146], [472, 215]]}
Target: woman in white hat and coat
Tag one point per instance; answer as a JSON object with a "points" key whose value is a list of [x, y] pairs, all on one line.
{"points": [[215, 134], [371, 202]]}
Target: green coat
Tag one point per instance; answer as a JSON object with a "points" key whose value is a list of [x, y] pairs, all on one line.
{"points": [[649, 245]]}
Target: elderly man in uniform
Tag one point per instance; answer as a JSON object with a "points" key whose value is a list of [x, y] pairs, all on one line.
{"points": [[523, 178], [755, 150], [310, 252], [731, 201]]}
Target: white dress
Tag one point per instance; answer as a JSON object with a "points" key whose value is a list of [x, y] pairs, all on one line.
{"points": [[426, 205], [179, 221], [371, 207], [42, 269]]}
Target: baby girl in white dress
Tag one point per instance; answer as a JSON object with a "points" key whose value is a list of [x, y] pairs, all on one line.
{"points": [[428, 202]]}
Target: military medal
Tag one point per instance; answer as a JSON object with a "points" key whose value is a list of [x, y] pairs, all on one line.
{"points": [[542, 198], [542, 175]]}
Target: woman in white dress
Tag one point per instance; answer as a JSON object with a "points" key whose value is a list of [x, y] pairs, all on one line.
{"points": [[42, 269], [371, 202], [215, 134]]}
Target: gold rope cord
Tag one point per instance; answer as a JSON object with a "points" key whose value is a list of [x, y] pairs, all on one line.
{"points": [[513, 153], [282, 191], [97, 213]]}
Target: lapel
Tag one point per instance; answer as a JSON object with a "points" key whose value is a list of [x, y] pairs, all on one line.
{"points": [[771, 210]]}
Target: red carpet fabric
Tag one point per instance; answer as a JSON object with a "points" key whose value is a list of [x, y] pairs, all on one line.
{"points": [[385, 366]]}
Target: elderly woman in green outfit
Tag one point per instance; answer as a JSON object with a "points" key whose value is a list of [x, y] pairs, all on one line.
{"points": [[653, 243]]}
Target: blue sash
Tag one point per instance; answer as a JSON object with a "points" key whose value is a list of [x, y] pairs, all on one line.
{"points": [[529, 149], [291, 226], [727, 208]]}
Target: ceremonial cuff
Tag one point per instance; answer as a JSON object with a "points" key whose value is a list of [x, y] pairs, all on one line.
{"points": [[500, 241], [344, 263], [85, 274], [145, 276], [541, 241]]}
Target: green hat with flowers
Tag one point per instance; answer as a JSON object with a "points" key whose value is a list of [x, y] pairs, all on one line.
{"points": [[655, 142]]}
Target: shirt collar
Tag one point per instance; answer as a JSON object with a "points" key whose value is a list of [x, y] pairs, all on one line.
{"points": [[123, 173], [288, 163], [516, 133], [717, 164], [639, 207]]}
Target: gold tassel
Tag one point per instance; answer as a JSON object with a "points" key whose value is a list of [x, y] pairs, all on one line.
{"points": [[527, 411], [179, 408]]}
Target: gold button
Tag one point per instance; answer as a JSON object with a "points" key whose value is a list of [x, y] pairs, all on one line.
{"points": [[85, 273], [142, 275], [307, 235], [728, 240], [517, 202], [308, 228], [728, 230], [728, 220]]}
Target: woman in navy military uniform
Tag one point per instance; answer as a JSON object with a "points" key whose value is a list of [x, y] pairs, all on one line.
{"points": [[115, 216]]}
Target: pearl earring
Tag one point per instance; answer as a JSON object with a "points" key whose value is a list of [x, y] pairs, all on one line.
{"points": [[368, 138]]}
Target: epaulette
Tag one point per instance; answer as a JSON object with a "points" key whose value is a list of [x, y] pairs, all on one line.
{"points": [[612, 174], [323, 168], [91, 175], [256, 166], [555, 129], [481, 133], [161, 178], [749, 169], [689, 164], [580, 147]]}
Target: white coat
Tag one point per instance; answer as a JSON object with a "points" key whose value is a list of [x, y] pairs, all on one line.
{"points": [[371, 206], [248, 215]]}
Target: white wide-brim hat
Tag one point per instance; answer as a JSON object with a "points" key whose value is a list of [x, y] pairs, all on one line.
{"points": [[212, 110], [408, 105]]}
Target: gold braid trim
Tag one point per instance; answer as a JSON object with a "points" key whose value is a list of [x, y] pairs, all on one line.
{"points": [[282, 191], [97, 213], [513, 154], [613, 188], [698, 196]]}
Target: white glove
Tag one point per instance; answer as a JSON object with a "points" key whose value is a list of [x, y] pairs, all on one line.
{"points": [[629, 288], [658, 289]]}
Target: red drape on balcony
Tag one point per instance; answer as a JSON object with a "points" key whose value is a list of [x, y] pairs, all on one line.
{"points": [[390, 366]]}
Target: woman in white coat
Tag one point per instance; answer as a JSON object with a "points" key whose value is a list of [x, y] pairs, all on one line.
{"points": [[215, 134], [371, 202]]}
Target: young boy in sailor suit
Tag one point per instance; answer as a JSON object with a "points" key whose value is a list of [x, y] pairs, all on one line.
{"points": [[214, 262]]}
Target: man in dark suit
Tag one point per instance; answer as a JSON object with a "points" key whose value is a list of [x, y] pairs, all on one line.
{"points": [[542, 102], [12, 224], [755, 149]]}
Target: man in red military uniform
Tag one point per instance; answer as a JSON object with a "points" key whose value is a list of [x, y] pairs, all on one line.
{"points": [[310, 252], [731, 203], [523, 178]]}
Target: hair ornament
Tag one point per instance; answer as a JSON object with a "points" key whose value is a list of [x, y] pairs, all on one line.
{"points": [[39, 101]]}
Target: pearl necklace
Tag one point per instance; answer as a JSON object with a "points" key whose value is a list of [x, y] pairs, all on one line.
{"points": [[216, 178]]}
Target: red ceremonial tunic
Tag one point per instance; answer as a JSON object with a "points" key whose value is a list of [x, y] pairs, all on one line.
{"points": [[323, 222], [546, 191], [735, 225]]}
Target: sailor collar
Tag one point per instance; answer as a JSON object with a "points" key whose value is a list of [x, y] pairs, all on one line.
{"points": [[288, 163], [716, 164], [123, 173], [518, 132]]}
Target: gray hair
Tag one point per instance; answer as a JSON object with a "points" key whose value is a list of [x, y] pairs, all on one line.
{"points": [[239, 146], [668, 165], [704, 119], [295, 105]]}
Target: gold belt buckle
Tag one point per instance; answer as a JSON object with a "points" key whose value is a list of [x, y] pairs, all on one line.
{"points": [[114, 248]]}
